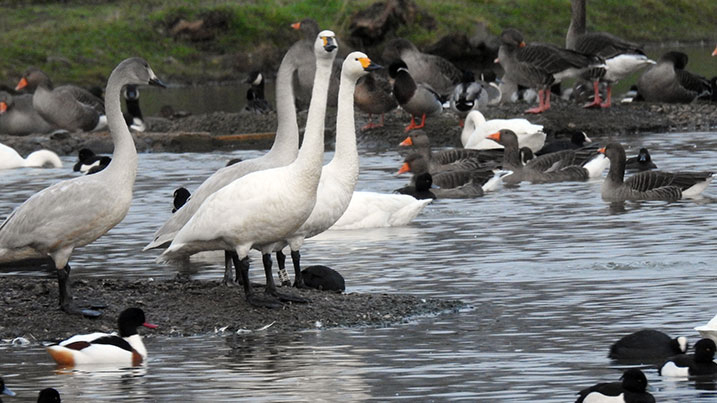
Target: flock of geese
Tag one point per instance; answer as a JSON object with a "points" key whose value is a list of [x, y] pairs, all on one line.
{"points": [[286, 196]]}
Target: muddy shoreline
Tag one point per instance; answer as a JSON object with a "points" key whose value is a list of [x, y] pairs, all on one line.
{"points": [[230, 131], [182, 307]]}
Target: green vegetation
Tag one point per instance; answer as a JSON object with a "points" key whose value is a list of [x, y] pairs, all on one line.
{"points": [[81, 41]]}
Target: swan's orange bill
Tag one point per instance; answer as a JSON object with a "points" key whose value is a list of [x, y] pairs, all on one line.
{"points": [[601, 150], [495, 136], [3, 107], [22, 84], [404, 168], [406, 142]]}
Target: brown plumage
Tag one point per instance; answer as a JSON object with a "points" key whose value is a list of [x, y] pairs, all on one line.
{"points": [[648, 185]]}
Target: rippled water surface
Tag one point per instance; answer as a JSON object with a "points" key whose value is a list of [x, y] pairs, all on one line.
{"points": [[552, 273]]}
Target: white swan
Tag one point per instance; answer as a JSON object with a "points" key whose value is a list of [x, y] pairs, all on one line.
{"points": [[75, 212], [9, 158], [476, 129], [339, 176], [263, 207], [282, 152], [376, 210]]}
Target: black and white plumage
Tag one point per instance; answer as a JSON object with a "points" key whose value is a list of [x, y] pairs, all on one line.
{"points": [[255, 100], [648, 185], [415, 98], [133, 117], [632, 389], [560, 166], [421, 188], [641, 162], [647, 345], [106, 348], [668, 81], [622, 57], [87, 159], [540, 65], [577, 140], [470, 94], [700, 363]]}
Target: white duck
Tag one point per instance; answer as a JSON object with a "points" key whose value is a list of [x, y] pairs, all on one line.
{"points": [[263, 207], [339, 176], [476, 129], [75, 212], [377, 210], [9, 158], [106, 348], [282, 152]]}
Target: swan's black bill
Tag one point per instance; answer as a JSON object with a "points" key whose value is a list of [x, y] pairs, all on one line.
{"points": [[157, 82]]}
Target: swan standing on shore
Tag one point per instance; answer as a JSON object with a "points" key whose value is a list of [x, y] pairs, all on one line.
{"points": [[9, 158], [339, 176], [75, 212], [264, 207]]}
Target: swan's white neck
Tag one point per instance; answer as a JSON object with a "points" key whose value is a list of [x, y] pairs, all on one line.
{"points": [[473, 120], [286, 142], [124, 157], [346, 150], [312, 148]]}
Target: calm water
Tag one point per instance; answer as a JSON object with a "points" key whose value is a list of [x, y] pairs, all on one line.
{"points": [[553, 274]]}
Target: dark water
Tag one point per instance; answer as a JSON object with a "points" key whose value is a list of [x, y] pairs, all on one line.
{"points": [[231, 97], [553, 275]]}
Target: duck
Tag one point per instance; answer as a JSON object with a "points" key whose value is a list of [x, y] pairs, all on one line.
{"points": [[477, 128], [9, 159], [632, 389], [622, 57], [106, 348], [133, 117], [66, 107], [470, 95], [255, 100], [668, 81], [641, 162], [423, 187], [648, 185], [263, 208], [379, 210], [324, 278], [87, 159], [49, 395], [83, 208], [577, 140], [415, 98], [559, 166], [103, 162], [338, 176], [4, 390], [647, 345], [181, 195], [18, 117], [450, 159], [283, 151], [461, 183], [540, 66], [374, 96], [426, 69], [698, 364]]}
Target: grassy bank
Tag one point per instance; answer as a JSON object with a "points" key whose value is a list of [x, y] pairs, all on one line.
{"points": [[81, 41]]}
